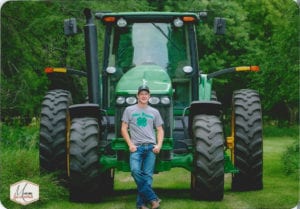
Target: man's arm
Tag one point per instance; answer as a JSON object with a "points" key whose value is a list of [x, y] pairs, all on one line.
{"points": [[125, 134], [160, 138]]}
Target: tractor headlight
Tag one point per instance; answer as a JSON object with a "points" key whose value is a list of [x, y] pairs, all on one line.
{"points": [[122, 22], [154, 100], [165, 100], [131, 100], [111, 70], [187, 69], [178, 22], [120, 100]]}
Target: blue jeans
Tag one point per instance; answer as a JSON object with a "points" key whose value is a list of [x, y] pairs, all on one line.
{"points": [[142, 163]]}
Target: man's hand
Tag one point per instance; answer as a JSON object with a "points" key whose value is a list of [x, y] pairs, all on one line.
{"points": [[156, 149], [132, 148]]}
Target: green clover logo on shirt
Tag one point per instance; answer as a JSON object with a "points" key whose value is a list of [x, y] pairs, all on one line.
{"points": [[141, 122]]}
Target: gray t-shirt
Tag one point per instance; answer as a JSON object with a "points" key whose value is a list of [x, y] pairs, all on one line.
{"points": [[141, 123]]}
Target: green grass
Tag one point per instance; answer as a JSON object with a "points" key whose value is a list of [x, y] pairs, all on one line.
{"points": [[173, 187]]}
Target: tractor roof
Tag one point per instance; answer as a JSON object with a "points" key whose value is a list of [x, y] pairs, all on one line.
{"points": [[148, 16]]}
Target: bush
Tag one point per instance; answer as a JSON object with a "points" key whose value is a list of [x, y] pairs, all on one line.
{"points": [[275, 131], [19, 164], [19, 159], [17, 136], [290, 159]]}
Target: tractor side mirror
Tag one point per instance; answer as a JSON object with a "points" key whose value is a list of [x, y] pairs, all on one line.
{"points": [[70, 27], [219, 26]]}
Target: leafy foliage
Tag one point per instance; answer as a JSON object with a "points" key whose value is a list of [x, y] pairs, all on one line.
{"points": [[261, 33], [16, 136], [19, 160], [275, 25], [290, 159]]}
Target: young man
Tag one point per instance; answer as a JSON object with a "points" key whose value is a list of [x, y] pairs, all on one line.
{"points": [[143, 145]]}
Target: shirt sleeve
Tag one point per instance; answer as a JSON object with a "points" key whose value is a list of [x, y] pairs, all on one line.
{"points": [[158, 121], [125, 117]]}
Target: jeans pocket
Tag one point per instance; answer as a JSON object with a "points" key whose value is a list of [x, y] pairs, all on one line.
{"points": [[137, 149]]}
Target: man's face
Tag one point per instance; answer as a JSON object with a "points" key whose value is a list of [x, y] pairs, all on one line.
{"points": [[143, 97]]}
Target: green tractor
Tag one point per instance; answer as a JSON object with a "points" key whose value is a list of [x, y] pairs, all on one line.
{"points": [[83, 141]]}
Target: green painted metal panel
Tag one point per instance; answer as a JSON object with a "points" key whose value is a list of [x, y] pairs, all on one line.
{"points": [[205, 85], [153, 76], [178, 160], [228, 166]]}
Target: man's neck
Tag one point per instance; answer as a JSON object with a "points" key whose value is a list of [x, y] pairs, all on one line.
{"points": [[141, 105]]}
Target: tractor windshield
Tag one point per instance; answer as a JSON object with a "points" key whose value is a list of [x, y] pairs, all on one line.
{"points": [[149, 43], [160, 44]]}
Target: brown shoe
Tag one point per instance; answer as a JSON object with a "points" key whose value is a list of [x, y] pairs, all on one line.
{"points": [[155, 204]]}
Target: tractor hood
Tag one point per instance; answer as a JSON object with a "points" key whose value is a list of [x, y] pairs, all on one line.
{"points": [[155, 77]]}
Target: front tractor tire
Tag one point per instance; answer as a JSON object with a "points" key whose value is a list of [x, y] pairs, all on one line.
{"points": [[207, 181], [53, 131], [85, 177], [248, 146]]}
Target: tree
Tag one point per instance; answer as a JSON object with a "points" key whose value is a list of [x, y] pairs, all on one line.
{"points": [[275, 31], [263, 33], [32, 38]]}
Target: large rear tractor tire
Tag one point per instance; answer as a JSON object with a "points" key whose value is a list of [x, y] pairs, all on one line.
{"points": [[84, 170], [53, 131], [248, 145], [208, 177]]}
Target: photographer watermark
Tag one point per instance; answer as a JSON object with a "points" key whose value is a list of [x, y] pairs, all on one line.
{"points": [[24, 192]]}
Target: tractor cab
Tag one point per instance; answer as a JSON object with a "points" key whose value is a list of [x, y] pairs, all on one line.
{"points": [[150, 48]]}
